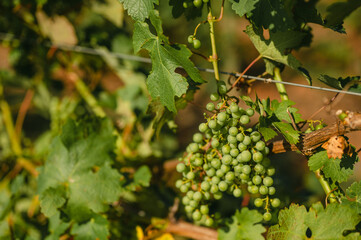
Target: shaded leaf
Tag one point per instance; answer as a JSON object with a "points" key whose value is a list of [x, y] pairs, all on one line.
{"points": [[290, 134], [353, 83]]}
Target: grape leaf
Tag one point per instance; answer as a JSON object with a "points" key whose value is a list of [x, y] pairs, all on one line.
{"points": [[56, 227], [163, 81], [306, 11], [339, 170], [96, 228], [275, 48], [354, 83], [332, 221], [272, 15], [246, 225], [337, 12], [291, 224], [52, 199], [287, 131], [82, 163], [139, 10], [267, 133], [353, 199], [242, 7], [142, 176], [280, 110]]}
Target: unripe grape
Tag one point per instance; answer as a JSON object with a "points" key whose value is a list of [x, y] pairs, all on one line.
{"points": [[258, 202], [178, 183], [246, 169], [205, 186], [234, 107], [244, 119], [227, 159], [214, 188], [219, 173], [231, 139], [242, 147], [222, 116], [184, 188], [215, 180], [214, 97], [233, 131], [181, 167], [209, 221], [222, 88], [275, 202], [247, 140], [190, 175], [257, 157], [225, 168], [268, 181], [226, 149], [263, 190], [238, 168], [237, 192], [203, 127], [258, 168], [271, 171], [196, 43], [234, 152], [211, 172], [218, 195], [246, 156], [253, 189], [204, 209], [250, 112], [190, 194], [188, 209], [212, 124], [215, 143], [260, 145], [190, 39], [197, 196], [222, 186], [196, 215], [229, 176], [216, 163], [197, 137], [256, 179], [267, 216], [210, 107], [271, 190], [255, 136], [185, 200]]}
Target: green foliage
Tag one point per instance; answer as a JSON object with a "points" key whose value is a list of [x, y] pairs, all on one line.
{"points": [[351, 84], [246, 224], [139, 9]]}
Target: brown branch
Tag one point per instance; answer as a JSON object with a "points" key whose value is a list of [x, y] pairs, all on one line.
{"points": [[189, 230]]}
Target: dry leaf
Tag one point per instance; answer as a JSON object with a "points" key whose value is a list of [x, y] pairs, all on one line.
{"points": [[336, 146]]}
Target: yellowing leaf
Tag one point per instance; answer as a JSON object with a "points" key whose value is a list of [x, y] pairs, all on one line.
{"points": [[140, 233], [165, 236]]}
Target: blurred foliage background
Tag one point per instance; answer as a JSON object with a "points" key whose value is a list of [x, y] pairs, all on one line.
{"points": [[37, 83]]}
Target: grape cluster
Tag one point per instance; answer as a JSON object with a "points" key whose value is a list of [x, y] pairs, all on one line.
{"points": [[225, 157], [194, 3]]}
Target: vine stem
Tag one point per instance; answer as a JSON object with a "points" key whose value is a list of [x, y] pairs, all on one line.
{"points": [[245, 70], [214, 57], [284, 96]]}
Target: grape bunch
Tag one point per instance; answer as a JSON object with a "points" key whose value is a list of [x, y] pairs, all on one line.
{"points": [[225, 157]]}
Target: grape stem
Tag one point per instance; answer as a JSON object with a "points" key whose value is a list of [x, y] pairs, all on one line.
{"points": [[284, 96], [245, 70], [214, 57]]}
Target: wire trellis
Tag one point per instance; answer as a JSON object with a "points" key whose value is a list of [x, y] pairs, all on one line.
{"points": [[99, 52]]}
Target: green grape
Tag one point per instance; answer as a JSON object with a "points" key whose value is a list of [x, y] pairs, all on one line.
{"points": [[197, 3], [218, 195], [215, 180], [271, 190], [257, 157], [237, 192], [237, 115], [205, 1], [260, 145], [198, 162], [197, 196], [234, 152], [190, 39], [246, 156], [227, 159], [247, 140], [225, 168], [184, 188], [229, 176], [215, 143], [222, 88], [244, 119], [240, 137], [210, 107], [207, 196], [209, 221], [319, 126], [197, 137], [191, 175], [267, 216], [250, 112], [190, 194], [238, 168], [226, 149], [181, 167], [185, 200], [268, 181], [216, 163], [178, 183], [204, 209], [185, 5], [234, 162], [255, 136], [266, 150], [206, 166], [266, 162], [271, 171], [214, 97], [275, 202], [258, 202], [253, 189], [233, 131], [203, 127], [214, 188], [244, 176], [196, 44], [211, 172], [256, 180], [212, 124], [258, 168], [263, 190], [242, 147], [222, 186], [188, 209], [232, 139], [220, 173], [232, 122], [234, 107], [196, 215], [219, 105], [246, 169], [222, 116], [205, 186]]}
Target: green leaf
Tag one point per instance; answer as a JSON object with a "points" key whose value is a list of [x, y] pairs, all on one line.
{"points": [[306, 12], [245, 225], [353, 83], [56, 227], [242, 7], [275, 48], [272, 15], [291, 135], [337, 12], [353, 199], [139, 10], [317, 160], [332, 222], [52, 199], [339, 170], [291, 224], [96, 228], [142, 176], [280, 110], [267, 133], [163, 82]]}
